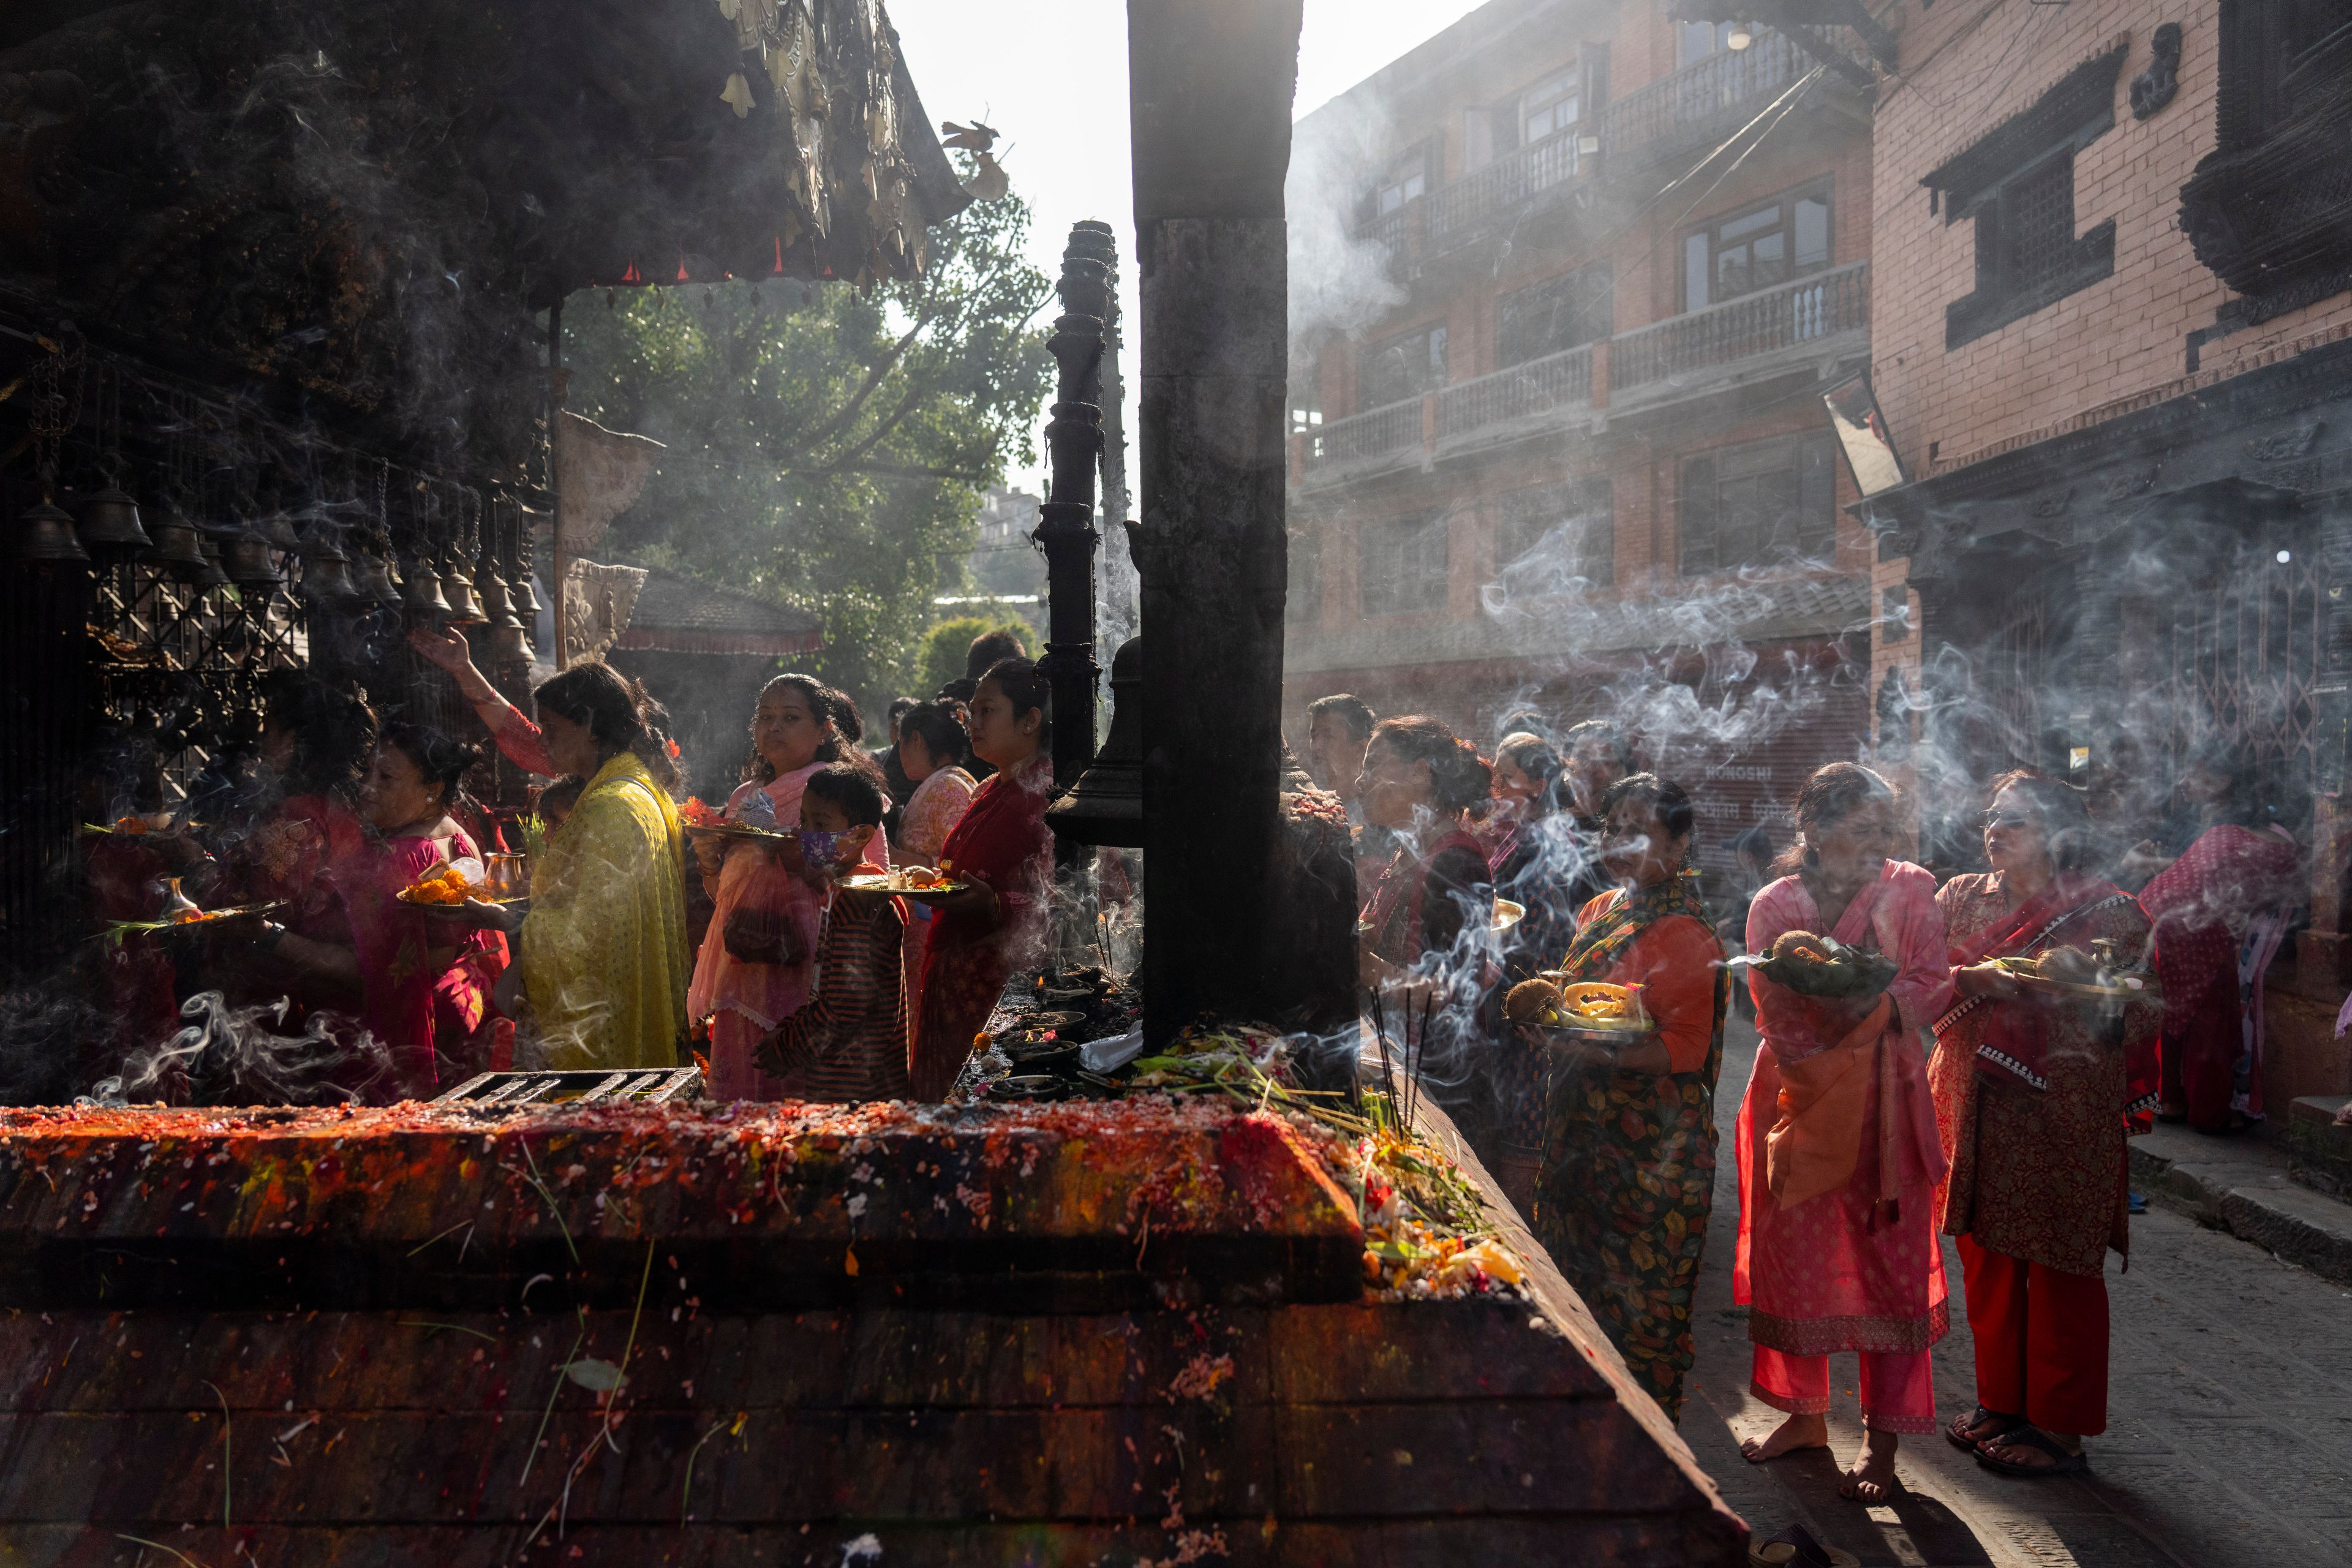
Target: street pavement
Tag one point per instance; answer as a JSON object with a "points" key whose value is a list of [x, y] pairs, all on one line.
{"points": [[2229, 1441]]}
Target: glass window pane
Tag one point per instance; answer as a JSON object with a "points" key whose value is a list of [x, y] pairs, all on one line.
{"points": [[1749, 223], [1812, 232], [1436, 357], [1695, 273], [1731, 272], [1771, 264]]}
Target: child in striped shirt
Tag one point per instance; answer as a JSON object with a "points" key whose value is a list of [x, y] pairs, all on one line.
{"points": [[848, 1041]]}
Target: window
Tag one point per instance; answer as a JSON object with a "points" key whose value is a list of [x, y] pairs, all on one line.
{"points": [[1551, 106], [2017, 182], [1757, 247], [1405, 180], [1401, 566], [1303, 605], [1306, 401], [1553, 535], [1403, 366], [1694, 41], [1555, 314], [1774, 503], [2264, 42]]}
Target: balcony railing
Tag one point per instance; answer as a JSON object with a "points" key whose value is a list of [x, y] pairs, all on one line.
{"points": [[1387, 428], [1537, 386], [1506, 182], [1698, 101], [1792, 314]]}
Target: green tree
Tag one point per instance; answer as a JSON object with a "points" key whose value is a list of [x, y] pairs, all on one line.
{"points": [[940, 658], [826, 447]]}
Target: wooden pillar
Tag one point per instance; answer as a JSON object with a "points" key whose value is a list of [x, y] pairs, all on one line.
{"points": [[1065, 530], [1211, 84]]}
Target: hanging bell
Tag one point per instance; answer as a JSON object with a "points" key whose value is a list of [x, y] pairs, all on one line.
{"points": [[276, 531], [526, 599], [511, 644], [491, 590], [1106, 806], [326, 574], [213, 576], [45, 534], [175, 546], [245, 556], [110, 525], [420, 588], [372, 579], [459, 589]]}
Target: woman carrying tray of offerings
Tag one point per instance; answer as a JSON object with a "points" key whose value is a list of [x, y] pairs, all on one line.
{"points": [[757, 961], [932, 745], [1627, 1173], [2033, 1096], [1004, 851], [1837, 1149]]}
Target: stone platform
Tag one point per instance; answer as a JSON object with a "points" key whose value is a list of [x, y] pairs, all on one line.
{"points": [[1076, 1334]]}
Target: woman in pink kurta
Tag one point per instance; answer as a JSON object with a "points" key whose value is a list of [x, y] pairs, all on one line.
{"points": [[1838, 1155], [758, 958], [932, 745]]}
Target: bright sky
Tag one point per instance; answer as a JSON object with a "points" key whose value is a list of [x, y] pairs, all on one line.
{"points": [[1051, 76]]}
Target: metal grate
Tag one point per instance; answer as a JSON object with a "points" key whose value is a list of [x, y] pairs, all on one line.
{"points": [[642, 1086], [2037, 221], [2245, 653]]}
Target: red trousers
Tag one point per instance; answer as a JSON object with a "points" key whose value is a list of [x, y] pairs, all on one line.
{"points": [[1898, 1388], [2041, 1338]]}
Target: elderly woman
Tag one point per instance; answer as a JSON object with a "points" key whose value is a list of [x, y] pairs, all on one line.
{"points": [[1628, 1163], [2031, 1097], [603, 947], [1838, 1156]]}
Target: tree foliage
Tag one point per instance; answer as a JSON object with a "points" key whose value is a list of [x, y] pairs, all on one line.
{"points": [[826, 447], [942, 656]]}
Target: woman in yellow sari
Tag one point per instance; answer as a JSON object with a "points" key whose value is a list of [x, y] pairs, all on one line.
{"points": [[604, 959]]}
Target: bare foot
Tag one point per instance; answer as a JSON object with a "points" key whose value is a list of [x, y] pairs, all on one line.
{"points": [[1871, 1478], [1797, 1432]]}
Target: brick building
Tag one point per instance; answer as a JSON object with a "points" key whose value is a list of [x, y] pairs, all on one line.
{"points": [[2113, 373], [1567, 282]]}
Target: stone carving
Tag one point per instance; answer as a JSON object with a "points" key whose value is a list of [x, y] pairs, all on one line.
{"points": [[2124, 483], [2281, 445], [2052, 504], [2154, 88]]}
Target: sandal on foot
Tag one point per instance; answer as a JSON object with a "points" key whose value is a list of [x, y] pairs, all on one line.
{"points": [[2062, 1461], [1956, 1433]]}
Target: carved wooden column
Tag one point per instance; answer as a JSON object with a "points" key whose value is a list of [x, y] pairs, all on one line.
{"points": [[1212, 82], [1067, 529]]}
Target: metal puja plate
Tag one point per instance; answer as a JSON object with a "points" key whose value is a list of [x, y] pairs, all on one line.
{"points": [[2074, 991], [879, 882], [736, 830], [457, 911], [1602, 1028]]}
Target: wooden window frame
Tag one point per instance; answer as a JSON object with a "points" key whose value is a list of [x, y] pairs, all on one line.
{"points": [[1822, 188]]}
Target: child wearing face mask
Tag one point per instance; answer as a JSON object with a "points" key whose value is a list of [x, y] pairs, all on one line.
{"points": [[849, 1042]]}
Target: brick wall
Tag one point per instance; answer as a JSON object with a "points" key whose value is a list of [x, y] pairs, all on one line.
{"points": [[1966, 70]]}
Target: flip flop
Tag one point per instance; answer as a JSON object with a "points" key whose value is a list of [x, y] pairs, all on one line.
{"points": [[2066, 1463], [1974, 1418], [1796, 1548]]}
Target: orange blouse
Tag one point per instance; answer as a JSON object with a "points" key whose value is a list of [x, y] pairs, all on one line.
{"points": [[1673, 960]]}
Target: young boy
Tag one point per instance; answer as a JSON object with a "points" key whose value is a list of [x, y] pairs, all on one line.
{"points": [[848, 1042]]}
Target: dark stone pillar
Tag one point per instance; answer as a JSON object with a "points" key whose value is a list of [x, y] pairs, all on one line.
{"points": [[1212, 82], [1065, 529]]}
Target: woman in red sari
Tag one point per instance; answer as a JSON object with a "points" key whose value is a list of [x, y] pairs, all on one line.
{"points": [[1419, 782], [2032, 1095], [2220, 912], [1837, 1148], [1002, 848], [425, 981]]}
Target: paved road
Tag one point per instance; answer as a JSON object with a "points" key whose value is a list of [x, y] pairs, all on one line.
{"points": [[2228, 1442]]}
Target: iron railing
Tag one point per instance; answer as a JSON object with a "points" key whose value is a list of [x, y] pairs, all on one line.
{"points": [[1367, 435], [1698, 102], [1817, 307], [1563, 380], [1506, 182]]}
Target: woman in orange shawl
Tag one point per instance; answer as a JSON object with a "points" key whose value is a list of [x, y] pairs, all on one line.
{"points": [[1837, 1148]]}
